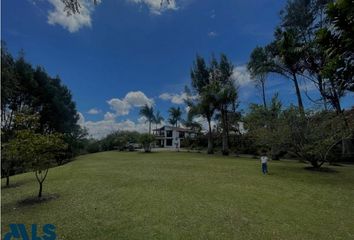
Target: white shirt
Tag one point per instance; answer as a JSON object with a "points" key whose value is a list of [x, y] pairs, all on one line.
{"points": [[264, 159]]}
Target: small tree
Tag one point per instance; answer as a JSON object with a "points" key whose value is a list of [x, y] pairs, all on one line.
{"points": [[39, 152], [10, 159], [146, 140]]}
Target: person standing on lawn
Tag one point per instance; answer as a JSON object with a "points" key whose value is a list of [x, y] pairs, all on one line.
{"points": [[264, 161]]}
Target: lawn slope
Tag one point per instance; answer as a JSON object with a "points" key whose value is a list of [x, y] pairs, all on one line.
{"points": [[169, 195]]}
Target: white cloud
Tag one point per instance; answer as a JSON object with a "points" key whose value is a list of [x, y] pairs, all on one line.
{"points": [[102, 128], [73, 22], [307, 86], [81, 119], [109, 116], [121, 107], [202, 121], [93, 111], [175, 98], [132, 99], [156, 7], [138, 99], [241, 76]]}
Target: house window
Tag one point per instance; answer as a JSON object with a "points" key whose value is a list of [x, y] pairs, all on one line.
{"points": [[181, 134], [168, 142], [169, 134]]}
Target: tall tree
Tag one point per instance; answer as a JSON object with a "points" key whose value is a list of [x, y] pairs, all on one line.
{"points": [[305, 18], [203, 105], [286, 51], [175, 115], [259, 66], [33, 91], [336, 38], [225, 94], [148, 113]]}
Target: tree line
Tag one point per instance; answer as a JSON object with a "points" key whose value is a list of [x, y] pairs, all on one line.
{"points": [[38, 119], [313, 42]]}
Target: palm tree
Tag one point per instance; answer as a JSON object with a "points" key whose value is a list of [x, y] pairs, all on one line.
{"points": [[175, 115], [148, 113], [158, 118]]}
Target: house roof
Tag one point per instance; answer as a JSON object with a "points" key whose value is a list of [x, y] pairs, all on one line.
{"points": [[179, 129]]}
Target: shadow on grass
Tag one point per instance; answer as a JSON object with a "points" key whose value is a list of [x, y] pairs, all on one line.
{"points": [[11, 185], [14, 184], [142, 152], [321, 169], [35, 200]]}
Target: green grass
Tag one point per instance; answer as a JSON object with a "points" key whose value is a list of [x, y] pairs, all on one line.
{"points": [[171, 195]]}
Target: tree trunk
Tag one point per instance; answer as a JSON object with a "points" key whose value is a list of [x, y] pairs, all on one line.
{"points": [[315, 164], [210, 139], [40, 189], [7, 180], [225, 147], [298, 95], [263, 96], [149, 127], [225, 144]]}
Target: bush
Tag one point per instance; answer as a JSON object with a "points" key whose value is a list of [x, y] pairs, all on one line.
{"points": [[146, 140]]}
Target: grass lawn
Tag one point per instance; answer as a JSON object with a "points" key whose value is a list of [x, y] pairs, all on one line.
{"points": [[169, 195]]}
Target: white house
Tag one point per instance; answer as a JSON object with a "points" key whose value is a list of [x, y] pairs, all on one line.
{"points": [[171, 137]]}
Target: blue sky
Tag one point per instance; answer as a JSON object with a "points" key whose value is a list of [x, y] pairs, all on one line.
{"points": [[122, 53]]}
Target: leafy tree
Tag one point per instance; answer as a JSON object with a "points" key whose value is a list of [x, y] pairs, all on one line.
{"points": [[225, 94], [265, 126], [25, 89], [259, 66], [146, 140], [93, 146], [73, 6], [312, 137], [306, 18], [37, 151], [204, 104], [286, 54], [337, 39], [296, 52], [175, 115], [10, 159], [148, 113], [43, 149]]}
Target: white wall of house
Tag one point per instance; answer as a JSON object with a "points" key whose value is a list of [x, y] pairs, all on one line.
{"points": [[172, 140]]}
